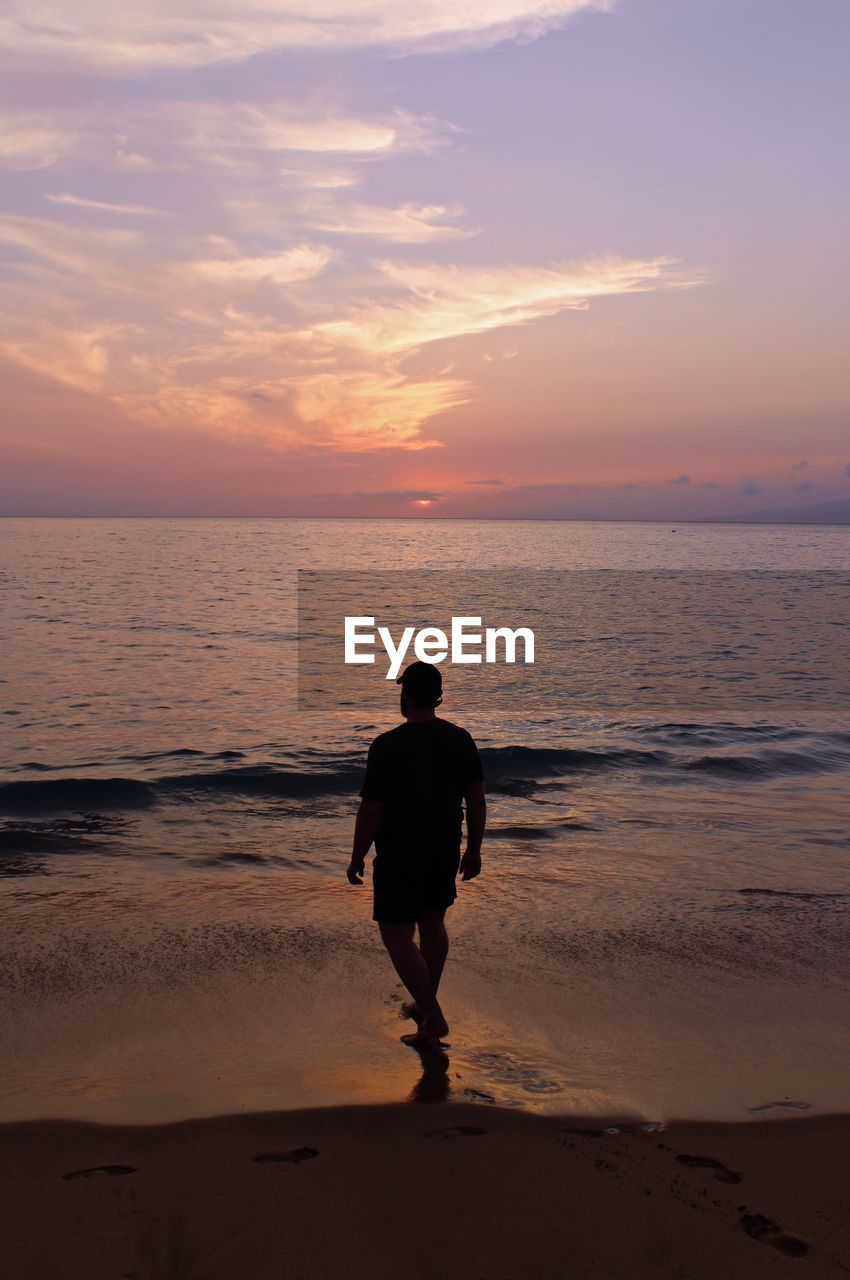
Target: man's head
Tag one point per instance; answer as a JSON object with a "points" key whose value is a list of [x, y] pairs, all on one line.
{"points": [[421, 686]]}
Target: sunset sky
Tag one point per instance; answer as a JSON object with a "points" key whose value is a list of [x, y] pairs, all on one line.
{"points": [[372, 257]]}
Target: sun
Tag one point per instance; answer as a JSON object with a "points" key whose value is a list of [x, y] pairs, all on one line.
{"points": [[424, 502]]}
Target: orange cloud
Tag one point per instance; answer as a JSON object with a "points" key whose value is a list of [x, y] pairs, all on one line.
{"points": [[407, 224], [227, 343], [440, 302]]}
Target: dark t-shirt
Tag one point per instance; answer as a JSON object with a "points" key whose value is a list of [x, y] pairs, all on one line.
{"points": [[420, 771]]}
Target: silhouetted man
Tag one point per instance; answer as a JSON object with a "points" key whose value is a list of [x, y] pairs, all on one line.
{"points": [[417, 777]]}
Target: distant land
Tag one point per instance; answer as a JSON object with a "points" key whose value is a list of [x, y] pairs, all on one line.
{"points": [[836, 512]]}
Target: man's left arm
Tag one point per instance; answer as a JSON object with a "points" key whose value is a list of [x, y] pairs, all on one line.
{"points": [[476, 811], [365, 829]]}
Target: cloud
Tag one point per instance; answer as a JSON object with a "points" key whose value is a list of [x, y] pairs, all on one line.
{"points": [[321, 177], [683, 479], [177, 338], [274, 139], [136, 162], [803, 487], [388, 495], [65, 197], [510, 354], [369, 409], [487, 482], [217, 130], [555, 486], [299, 263], [800, 466], [273, 333], [124, 38], [93, 253], [847, 470], [34, 139], [407, 224], [440, 302], [76, 357], [750, 486]]}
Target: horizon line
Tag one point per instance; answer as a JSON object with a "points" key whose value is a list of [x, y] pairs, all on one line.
{"points": [[423, 519]]}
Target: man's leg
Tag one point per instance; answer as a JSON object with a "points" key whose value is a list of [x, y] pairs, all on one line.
{"points": [[434, 943], [434, 946], [410, 965]]}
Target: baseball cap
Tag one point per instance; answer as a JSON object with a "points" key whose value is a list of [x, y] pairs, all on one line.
{"points": [[422, 678]]}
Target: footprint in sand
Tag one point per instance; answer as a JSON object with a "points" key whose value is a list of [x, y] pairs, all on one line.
{"points": [[767, 1232], [102, 1170], [721, 1173], [286, 1157], [638, 1130], [787, 1104], [455, 1131], [477, 1095]]}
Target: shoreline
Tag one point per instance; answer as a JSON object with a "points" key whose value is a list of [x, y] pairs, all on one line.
{"points": [[467, 1189]]}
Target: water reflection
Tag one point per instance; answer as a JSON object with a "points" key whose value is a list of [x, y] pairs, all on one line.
{"points": [[434, 1084]]}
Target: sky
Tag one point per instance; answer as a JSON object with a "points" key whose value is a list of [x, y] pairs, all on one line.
{"points": [[502, 258]]}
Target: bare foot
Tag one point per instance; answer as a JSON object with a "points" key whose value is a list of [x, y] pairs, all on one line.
{"points": [[410, 1010], [429, 1029]]}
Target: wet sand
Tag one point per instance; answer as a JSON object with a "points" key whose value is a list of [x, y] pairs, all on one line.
{"points": [[448, 1189]]}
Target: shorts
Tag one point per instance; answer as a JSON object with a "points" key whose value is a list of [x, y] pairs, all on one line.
{"points": [[407, 885]]}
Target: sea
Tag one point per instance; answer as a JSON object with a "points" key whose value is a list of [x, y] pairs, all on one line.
{"points": [[660, 928]]}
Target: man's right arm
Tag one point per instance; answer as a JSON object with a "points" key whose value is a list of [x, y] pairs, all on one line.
{"points": [[365, 829], [476, 819], [369, 813]]}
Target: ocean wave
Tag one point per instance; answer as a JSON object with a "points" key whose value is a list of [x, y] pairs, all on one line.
{"points": [[74, 795], [41, 795], [767, 763], [542, 762], [798, 894], [17, 840], [697, 734], [547, 831], [513, 769], [265, 780]]}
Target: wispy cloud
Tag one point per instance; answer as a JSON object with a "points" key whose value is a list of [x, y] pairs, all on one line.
{"points": [[34, 139], [237, 341], [226, 133], [91, 253], [439, 302], [407, 224], [251, 310], [76, 357], [104, 206], [124, 38], [555, 487], [302, 262], [322, 176], [373, 409]]}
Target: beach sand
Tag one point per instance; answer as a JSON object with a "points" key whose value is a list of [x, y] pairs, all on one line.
{"points": [[448, 1190]]}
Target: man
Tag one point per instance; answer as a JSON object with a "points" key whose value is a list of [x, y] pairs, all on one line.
{"points": [[417, 777]]}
